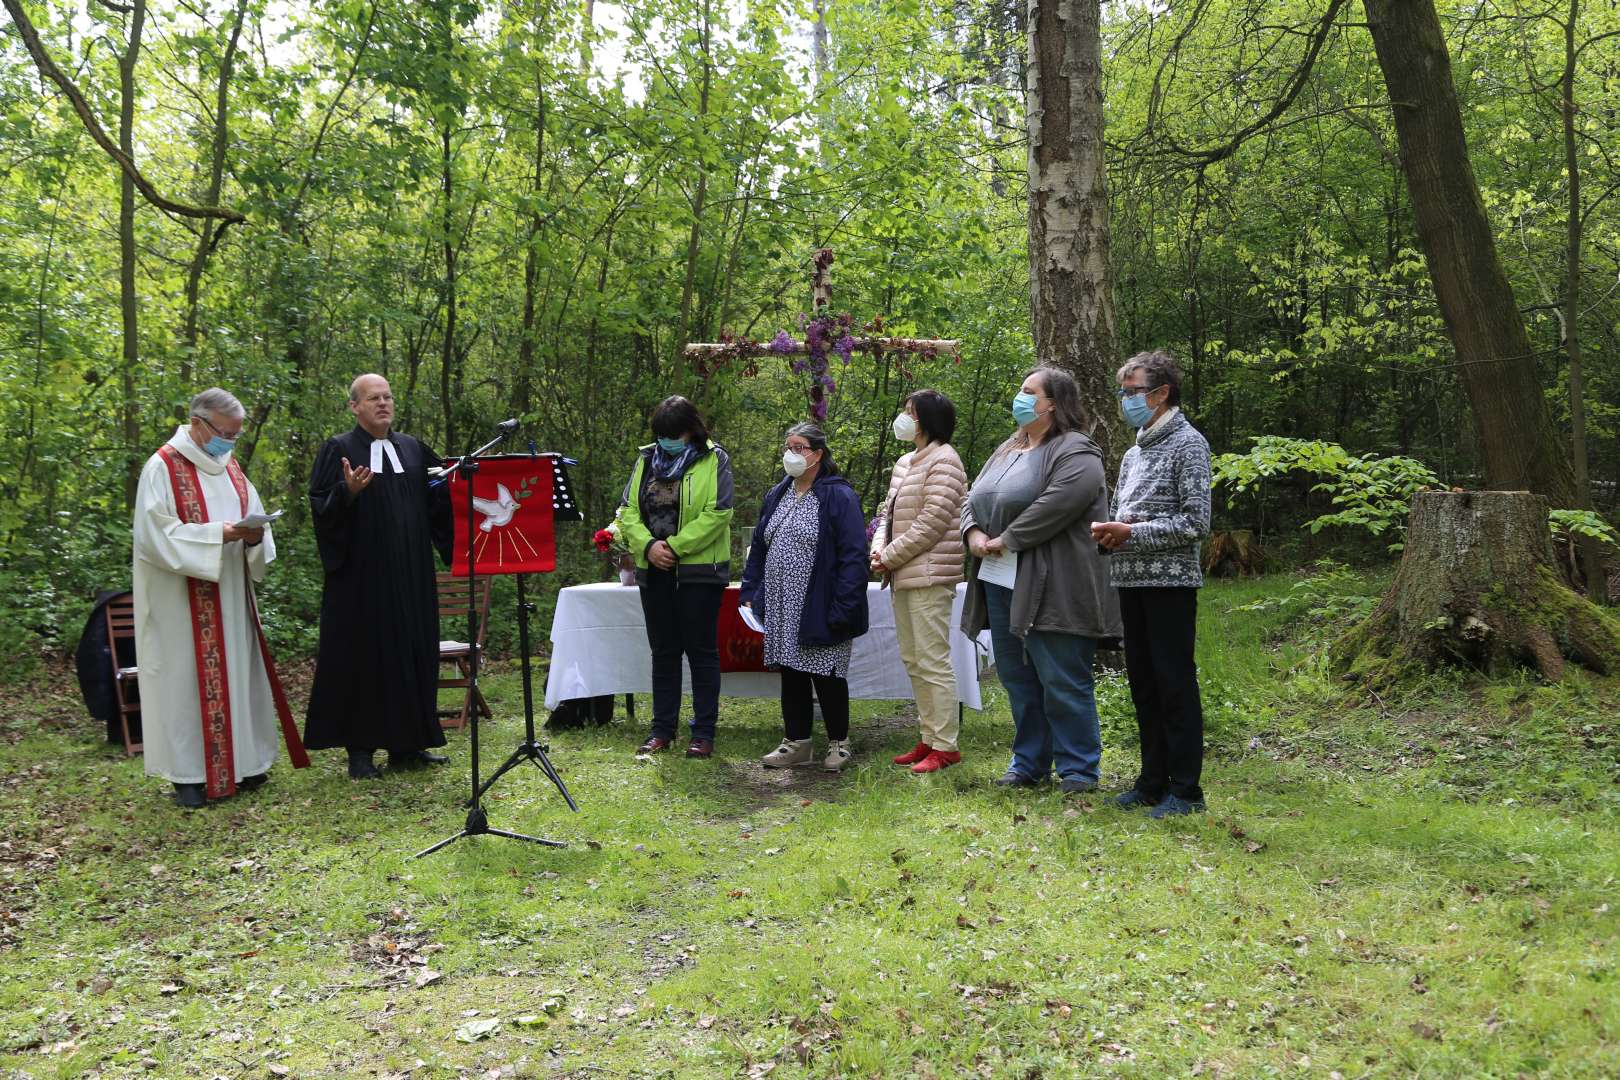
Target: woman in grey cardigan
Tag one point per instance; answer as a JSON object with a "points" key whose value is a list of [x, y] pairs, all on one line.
{"points": [[1028, 520], [1163, 494]]}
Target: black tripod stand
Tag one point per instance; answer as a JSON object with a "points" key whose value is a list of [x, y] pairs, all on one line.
{"points": [[528, 749], [477, 821]]}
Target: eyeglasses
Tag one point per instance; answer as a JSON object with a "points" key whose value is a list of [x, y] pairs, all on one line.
{"points": [[1124, 392], [216, 431], [798, 448]]}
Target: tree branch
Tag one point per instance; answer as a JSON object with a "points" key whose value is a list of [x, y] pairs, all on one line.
{"points": [[1296, 83], [48, 68]]}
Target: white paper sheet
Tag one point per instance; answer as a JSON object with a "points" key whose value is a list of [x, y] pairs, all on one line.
{"points": [[258, 521], [1000, 569]]}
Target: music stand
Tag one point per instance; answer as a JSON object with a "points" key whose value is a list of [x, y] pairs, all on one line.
{"points": [[477, 821]]}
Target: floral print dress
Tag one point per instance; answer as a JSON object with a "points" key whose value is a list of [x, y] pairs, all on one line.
{"points": [[790, 538]]}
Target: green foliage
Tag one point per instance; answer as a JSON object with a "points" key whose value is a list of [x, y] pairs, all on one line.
{"points": [[1374, 493], [606, 192], [1586, 524]]}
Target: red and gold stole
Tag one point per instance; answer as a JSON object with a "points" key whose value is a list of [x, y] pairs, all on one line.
{"points": [[208, 639]]}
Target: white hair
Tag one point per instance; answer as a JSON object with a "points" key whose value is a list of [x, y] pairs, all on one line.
{"points": [[215, 403]]}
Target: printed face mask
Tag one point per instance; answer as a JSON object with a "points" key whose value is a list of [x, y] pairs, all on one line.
{"points": [[905, 428], [1023, 408]]}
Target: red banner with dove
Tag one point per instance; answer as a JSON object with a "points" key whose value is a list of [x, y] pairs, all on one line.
{"points": [[514, 515]]}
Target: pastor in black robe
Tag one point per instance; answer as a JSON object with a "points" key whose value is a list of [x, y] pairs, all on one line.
{"points": [[377, 673]]}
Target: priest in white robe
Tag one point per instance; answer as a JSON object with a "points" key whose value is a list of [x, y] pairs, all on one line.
{"points": [[210, 700]]}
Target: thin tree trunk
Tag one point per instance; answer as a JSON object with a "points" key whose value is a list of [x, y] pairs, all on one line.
{"points": [[216, 176], [447, 353], [127, 301], [1521, 448], [1071, 293], [693, 243], [1597, 585]]}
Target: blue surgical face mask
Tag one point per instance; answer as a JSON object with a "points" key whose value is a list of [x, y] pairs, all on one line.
{"points": [[219, 445], [671, 446], [1023, 408], [1136, 409]]}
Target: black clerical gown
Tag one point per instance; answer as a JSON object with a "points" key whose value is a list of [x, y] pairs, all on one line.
{"points": [[377, 674]]}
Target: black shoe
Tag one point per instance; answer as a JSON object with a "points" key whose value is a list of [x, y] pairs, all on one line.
{"points": [[1073, 785], [249, 783], [191, 796], [1176, 806], [1010, 779], [415, 759], [361, 766], [1133, 800]]}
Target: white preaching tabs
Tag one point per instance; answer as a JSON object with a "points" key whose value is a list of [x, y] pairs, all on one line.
{"points": [[1000, 568], [379, 447]]}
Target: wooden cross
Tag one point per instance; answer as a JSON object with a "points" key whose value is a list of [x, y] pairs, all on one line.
{"points": [[824, 334]]}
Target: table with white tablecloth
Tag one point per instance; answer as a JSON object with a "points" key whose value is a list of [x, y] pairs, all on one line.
{"points": [[599, 646]]}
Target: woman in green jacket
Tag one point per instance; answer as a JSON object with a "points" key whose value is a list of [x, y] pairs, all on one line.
{"points": [[676, 519]]}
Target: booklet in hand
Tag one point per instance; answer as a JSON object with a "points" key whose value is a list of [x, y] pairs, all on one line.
{"points": [[258, 521]]}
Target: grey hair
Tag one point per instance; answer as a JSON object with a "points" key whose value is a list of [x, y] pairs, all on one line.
{"points": [[1160, 368], [214, 403], [812, 434]]}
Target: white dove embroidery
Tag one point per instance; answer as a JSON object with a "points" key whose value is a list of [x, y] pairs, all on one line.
{"points": [[498, 513]]}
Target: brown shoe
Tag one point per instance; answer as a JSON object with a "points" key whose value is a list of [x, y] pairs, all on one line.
{"points": [[654, 745], [700, 748]]}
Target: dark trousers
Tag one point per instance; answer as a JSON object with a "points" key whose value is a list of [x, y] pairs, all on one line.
{"points": [[831, 690], [682, 619], [1160, 627]]}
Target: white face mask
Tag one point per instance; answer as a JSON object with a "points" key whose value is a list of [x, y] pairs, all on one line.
{"points": [[905, 428], [794, 464]]}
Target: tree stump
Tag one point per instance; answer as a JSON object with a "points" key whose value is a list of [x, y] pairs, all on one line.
{"points": [[1233, 553], [1478, 588]]}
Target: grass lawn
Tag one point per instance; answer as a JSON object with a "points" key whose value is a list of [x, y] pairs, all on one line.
{"points": [[1422, 886]]}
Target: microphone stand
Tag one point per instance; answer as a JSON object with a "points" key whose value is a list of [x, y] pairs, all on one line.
{"points": [[477, 821]]}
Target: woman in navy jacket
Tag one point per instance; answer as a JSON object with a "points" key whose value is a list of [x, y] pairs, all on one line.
{"points": [[806, 582]]}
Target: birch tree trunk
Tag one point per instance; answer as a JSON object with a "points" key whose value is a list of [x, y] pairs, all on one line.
{"points": [[1071, 287]]}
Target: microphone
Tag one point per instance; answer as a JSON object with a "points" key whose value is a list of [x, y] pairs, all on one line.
{"points": [[507, 425]]}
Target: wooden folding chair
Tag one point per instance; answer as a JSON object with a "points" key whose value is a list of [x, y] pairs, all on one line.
{"points": [[120, 613], [453, 613]]}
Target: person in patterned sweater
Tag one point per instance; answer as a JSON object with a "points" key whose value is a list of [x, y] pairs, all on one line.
{"points": [[1161, 513]]}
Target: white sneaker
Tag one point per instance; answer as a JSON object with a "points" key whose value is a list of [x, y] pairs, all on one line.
{"points": [[837, 755], [792, 752]]}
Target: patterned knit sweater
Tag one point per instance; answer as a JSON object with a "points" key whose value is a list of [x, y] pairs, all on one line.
{"points": [[1163, 494]]}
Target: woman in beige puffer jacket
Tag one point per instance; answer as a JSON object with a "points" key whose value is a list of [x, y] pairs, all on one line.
{"points": [[917, 546]]}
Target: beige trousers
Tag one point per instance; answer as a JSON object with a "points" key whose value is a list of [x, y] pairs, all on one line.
{"points": [[922, 621]]}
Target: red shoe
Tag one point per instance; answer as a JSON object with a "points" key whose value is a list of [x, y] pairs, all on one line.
{"points": [[654, 745], [914, 755], [936, 760]]}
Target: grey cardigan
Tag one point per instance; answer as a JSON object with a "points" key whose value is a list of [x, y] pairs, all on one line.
{"points": [[1062, 583]]}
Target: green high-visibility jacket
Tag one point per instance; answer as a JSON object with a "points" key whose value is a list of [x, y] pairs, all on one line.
{"points": [[702, 540]]}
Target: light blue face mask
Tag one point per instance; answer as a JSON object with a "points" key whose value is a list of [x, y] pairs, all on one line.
{"points": [[671, 446], [1023, 408], [219, 445], [1136, 409]]}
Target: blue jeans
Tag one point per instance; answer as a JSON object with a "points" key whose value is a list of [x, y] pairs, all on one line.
{"points": [[1054, 707]]}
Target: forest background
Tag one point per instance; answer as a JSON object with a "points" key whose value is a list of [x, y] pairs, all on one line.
{"points": [[531, 208]]}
